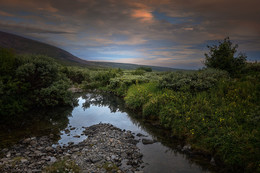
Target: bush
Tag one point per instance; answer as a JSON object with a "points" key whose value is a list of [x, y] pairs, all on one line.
{"points": [[138, 72], [7, 62], [138, 95], [223, 57], [35, 81], [38, 71], [55, 94], [76, 74], [147, 69], [192, 81]]}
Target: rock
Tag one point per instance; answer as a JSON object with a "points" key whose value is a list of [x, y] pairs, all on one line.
{"points": [[76, 136], [148, 141], [24, 160], [139, 135], [212, 161], [49, 149], [95, 159], [186, 148], [67, 131], [27, 140], [105, 145], [8, 154], [70, 143], [51, 135], [52, 159]]}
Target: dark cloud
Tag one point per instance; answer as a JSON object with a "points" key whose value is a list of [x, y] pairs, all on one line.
{"points": [[112, 27]]}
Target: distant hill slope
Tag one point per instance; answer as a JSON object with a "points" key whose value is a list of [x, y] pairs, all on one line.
{"points": [[23, 45]]}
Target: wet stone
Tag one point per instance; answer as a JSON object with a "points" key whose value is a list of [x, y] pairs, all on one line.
{"points": [[105, 145]]}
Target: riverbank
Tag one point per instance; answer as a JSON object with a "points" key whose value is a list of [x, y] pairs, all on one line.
{"points": [[106, 148]]}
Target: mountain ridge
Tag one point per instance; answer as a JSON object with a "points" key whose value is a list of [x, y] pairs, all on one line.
{"points": [[22, 45]]}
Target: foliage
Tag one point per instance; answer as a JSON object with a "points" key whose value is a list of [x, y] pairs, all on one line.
{"points": [[32, 81], [7, 62], [138, 95], [100, 79], [147, 69], [222, 120], [138, 72], [192, 81], [223, 57], [76, 74]]}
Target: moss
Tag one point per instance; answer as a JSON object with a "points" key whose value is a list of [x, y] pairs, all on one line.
{"points": [[110, 167], [65, 166], [16, 160]]}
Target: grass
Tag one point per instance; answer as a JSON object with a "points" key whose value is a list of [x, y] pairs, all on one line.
{"points": [[64, 166]]}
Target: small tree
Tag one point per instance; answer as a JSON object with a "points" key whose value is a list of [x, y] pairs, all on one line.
{"points": [[223, 57]]}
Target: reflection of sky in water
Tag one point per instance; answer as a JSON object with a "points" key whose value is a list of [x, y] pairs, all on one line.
{"points": [[159, 157]]}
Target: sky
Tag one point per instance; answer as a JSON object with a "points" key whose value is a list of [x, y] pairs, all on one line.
{"points": [[170, 33]]}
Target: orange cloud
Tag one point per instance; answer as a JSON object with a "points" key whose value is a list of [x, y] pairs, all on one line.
{"points": [[143, 15], [2, 13]]}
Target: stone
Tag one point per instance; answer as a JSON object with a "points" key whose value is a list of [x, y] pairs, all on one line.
{"points": [[105, 144], [49, 149], [24, 160], [139, 134], [148, 141]]}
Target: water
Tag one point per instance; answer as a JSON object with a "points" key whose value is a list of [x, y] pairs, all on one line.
{"points": [[95, 108]]}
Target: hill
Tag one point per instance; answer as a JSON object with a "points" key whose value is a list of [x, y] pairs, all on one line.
{"points": [[22, 45]]}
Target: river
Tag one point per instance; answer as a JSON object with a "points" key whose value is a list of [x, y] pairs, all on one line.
{"points": [[93, 108]]}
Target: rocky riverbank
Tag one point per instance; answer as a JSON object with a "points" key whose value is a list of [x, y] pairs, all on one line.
{"points": [[106, 149]]}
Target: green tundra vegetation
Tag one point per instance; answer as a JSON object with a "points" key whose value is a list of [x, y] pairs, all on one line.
{"points": [[31, 82], [216, 109]]}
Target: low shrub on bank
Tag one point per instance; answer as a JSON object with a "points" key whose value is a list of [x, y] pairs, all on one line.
{"points": [[138, 95], [32, 81], [192, 81], [224, 120]]}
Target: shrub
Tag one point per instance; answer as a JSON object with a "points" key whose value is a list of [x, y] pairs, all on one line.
{"points": [[7, 62], [138, 72], [147, 69], [35, 81], [223, 57], [138, 95], [55, 94], [38, 71], [76, 74], [192, 81]]}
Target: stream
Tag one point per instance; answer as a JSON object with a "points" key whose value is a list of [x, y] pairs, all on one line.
{"points": [[67, 125]]}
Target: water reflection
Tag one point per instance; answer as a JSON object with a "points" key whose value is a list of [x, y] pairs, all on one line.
{"points": [[162, 156], [36, 123], [93, 108]]}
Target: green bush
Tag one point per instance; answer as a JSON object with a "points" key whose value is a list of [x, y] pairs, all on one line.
{"points": [[192, 81], [34, 82], [138, 72], [147, 69], [138, 95], [55, 94], [76, 74], [7, 62], [222, 57]]}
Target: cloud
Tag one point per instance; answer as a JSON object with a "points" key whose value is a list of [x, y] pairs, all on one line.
{"points": [[3, 13], [143, 15], [163, 32]]}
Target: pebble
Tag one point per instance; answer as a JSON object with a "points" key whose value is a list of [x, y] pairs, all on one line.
{"points": [[105, 148]]}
